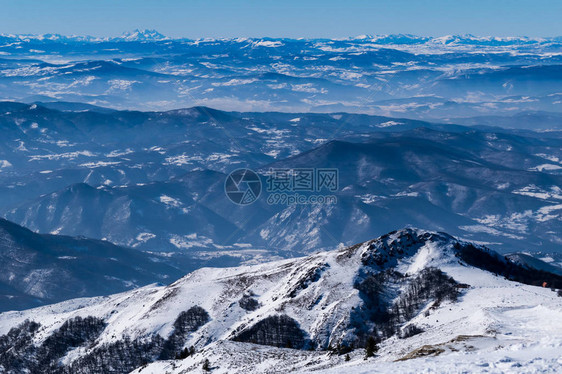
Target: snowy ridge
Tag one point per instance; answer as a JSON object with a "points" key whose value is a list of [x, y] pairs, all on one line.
{"points": [[316, 303], [136, 35], [388, 39]]}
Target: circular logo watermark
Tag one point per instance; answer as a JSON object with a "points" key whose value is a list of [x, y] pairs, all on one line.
{"points": [[243, 186]]}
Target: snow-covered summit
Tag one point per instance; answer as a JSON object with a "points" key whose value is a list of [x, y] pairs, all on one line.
{"points": [[142, 35], [137, 35], [407, 289]]}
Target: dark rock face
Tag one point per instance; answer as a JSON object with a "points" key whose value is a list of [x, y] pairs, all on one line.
{"points": [[384, 252], [278, 331]]}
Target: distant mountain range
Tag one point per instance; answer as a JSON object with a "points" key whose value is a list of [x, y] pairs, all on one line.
{"points": [[395, 75], [398, 39], [131, 36], [155, 180]]}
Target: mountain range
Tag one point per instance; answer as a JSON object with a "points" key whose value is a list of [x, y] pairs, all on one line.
{"points": [[393, 39], [170, 205], [155, 180], [432, 78]]}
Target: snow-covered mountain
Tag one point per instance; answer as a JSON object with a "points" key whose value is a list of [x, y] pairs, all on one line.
{"points": [[141, 35], [137, 35], [417, 293], [385, 39]]}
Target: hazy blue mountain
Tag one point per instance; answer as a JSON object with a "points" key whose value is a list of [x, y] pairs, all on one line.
{"points": [[392, 75], [44, 150], [43, 269], [155, 180], [523, 120]]}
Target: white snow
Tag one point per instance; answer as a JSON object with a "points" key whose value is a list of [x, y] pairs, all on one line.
{"points": [[5, 164], [546, 167], [68, 155], [389, 124], [170, 201], [267, 43], [555, 192]]}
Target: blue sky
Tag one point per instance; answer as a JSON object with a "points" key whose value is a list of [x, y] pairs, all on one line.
{"points": [[287, 18]]}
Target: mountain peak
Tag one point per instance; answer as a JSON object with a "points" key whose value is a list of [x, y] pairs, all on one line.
{"points": [[143, 35]]}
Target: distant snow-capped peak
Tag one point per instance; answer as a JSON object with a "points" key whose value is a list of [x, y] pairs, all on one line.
{"points": [[143, 35], [151, 35], [136, 35]]}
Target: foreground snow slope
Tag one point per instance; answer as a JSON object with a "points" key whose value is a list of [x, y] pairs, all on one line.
{"points": [[496, 327], [470, 317]]}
